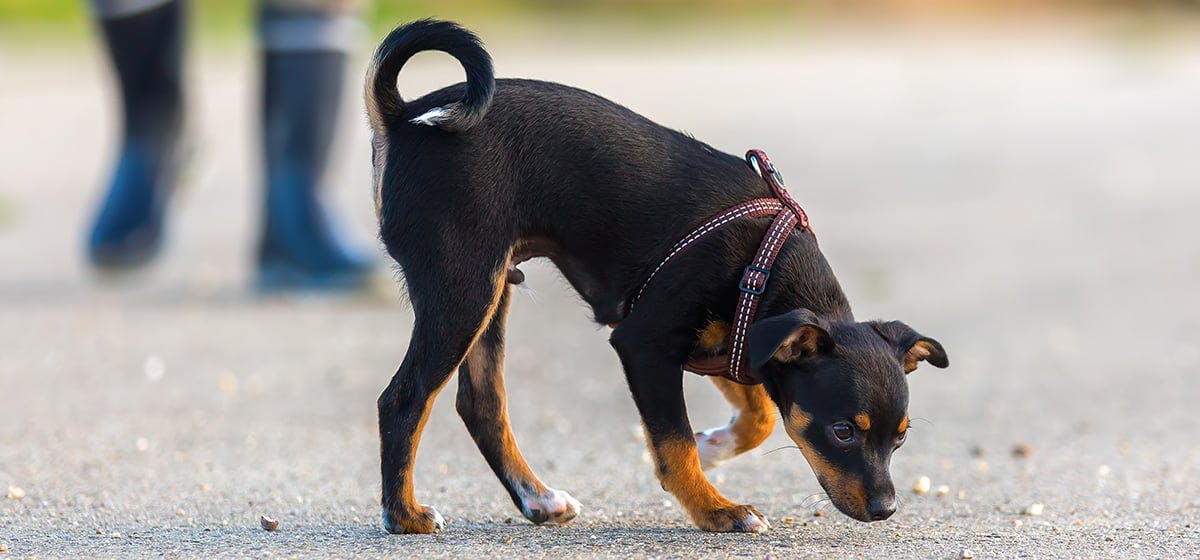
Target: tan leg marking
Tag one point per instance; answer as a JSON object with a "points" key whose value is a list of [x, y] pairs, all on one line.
{"points": [[483, 407], [752, 423], [421, 518], [678, 469]]}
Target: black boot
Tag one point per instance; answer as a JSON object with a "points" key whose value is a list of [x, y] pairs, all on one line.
{"points": [[147, 51], [299, 247]]}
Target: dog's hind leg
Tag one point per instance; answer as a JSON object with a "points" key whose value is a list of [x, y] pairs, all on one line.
{"points": [[454, 299], [481, 403], [752, 422]]}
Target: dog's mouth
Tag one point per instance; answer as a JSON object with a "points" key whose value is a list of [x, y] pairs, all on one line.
{"points": [[852, 498], [848, 499], [845, 491]]}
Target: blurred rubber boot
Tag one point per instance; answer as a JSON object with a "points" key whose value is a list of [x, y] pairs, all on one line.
{"points": [[300, 249], [146, 48]]}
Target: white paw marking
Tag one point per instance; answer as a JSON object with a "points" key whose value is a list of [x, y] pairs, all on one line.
{"points": [[431, 117], [438, 521], [392, 527], [755, 524], [554, 507], [715, 446]]}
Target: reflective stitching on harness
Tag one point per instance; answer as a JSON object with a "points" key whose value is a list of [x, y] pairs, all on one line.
{"points": [[787, 215], [784, 222], [735, 353], [729, 215]]}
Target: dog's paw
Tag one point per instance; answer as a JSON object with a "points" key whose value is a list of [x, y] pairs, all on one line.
{"points": [[555, 507], [425, 521], [733, 519], [715, 446]]}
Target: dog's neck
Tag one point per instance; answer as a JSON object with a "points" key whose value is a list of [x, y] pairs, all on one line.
{"points": [[802, 278]]}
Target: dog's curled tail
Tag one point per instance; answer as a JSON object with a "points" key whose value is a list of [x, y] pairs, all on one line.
{"points": [[384, 104]]}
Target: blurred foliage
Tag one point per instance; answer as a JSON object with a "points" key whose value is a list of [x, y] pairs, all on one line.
{"points": [[8, 211], [223, 11], [70, 17]]}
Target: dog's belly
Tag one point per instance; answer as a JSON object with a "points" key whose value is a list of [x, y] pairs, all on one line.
{"points": [[526, 249], [603, 299]]}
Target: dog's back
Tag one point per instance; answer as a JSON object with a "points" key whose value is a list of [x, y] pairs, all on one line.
{"points": [[518, 159]]}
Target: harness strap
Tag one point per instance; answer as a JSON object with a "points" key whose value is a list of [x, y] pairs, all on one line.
{"points": [[749, 209], [758, 159], [788, 215], [755, 276], [752, 286]]}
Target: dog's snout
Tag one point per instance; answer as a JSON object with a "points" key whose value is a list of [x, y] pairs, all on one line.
{"points": [[879, 509]]}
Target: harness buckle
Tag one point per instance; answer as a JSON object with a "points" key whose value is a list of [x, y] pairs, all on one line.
{"points": [[764, 167], [745, 285], [775, 174]]}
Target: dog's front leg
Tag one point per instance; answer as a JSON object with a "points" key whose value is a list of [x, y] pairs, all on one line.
{"points": [[753, 420], [657, 387]]}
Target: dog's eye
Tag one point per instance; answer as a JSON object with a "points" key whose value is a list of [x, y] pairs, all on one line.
{"points": [[901, 437], [843, 431]]}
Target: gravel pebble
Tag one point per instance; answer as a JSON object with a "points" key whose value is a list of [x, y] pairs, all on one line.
{"points": [[921, 486], [15, 493], [268, 523], [1034, 510], [1022, 451]]}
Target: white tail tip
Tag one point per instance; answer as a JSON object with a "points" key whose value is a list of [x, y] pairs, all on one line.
{"points": [[431, 117]]}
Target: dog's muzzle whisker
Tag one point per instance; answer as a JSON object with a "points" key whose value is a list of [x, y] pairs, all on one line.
{"points": [[813, 499], [780, 448]]}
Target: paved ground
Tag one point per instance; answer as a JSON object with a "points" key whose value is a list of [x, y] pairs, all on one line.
{"points": [[1030, 203]]}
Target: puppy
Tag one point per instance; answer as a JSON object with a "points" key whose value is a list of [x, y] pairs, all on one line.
{"points": [[475, 178]]}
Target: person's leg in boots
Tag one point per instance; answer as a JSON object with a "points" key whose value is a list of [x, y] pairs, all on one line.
{"points": [[304, 55], [145, 44]]}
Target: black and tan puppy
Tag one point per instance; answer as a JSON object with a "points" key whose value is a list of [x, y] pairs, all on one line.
{"points": [[473, 179]]}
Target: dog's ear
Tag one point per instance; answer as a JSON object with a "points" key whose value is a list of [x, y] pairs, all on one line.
{"points": [[914, 346], [787, 338]]}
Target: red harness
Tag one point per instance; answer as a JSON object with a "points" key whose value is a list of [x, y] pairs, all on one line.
{"points": [[788, 214]]}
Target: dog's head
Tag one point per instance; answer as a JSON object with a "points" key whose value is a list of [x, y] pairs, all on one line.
{"points": [[841, 389]]}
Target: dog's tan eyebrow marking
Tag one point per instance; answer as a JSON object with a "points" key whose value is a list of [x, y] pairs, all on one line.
{"points": [[863, 421], [903, 427]]}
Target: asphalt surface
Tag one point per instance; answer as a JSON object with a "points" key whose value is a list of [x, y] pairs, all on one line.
{"points": [[1029, 202]]}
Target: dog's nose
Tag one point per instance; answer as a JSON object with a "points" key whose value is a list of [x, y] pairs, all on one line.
{"points": [[881, 508]]}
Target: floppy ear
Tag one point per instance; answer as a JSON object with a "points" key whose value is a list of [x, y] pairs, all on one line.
{"points": [[915, 347], [787, 337]]}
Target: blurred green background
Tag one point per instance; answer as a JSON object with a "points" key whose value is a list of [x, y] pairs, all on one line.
{"points": [[27, 20]]}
